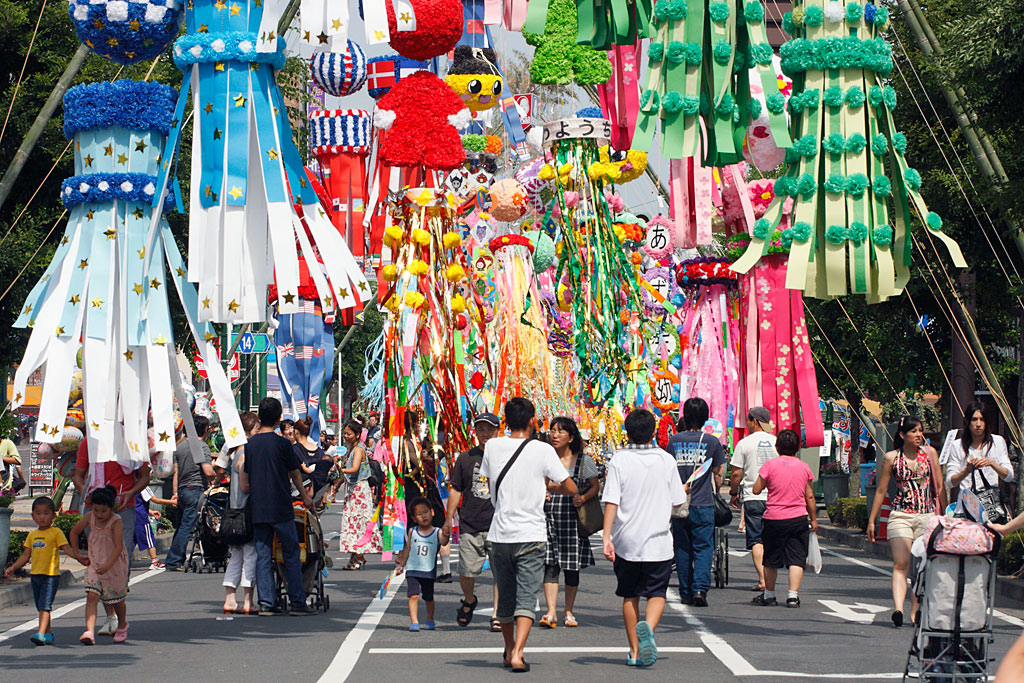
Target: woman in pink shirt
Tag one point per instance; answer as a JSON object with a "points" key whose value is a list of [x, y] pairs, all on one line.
{"points": [[790, 506]]}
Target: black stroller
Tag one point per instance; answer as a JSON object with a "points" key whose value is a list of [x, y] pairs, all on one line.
{"points": [[206, 551]]}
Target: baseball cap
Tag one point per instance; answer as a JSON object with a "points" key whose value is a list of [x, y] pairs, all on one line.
{"points": [[488, 418], [760, 414]]}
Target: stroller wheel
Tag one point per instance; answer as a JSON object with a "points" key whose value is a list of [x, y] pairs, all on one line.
{"points": [[327, 602]]}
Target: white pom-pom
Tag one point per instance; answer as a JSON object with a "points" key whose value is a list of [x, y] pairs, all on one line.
{"points": [[834, 12], [149, 189], [117, 10], [462, 119], [535, 139], [245, 46], [103, 186], [82, 11], [155, 13], [67, 191], [383, 118], [126, 186], [217, 45], [82, 187], [196, 50]]}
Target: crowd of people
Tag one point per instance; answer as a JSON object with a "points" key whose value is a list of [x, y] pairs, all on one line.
{"points": [[517, 498]]}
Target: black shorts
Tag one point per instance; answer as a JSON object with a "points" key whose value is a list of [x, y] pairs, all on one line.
{"points": [[642, 579], [785, 542], [419, 585], [753, 514]]}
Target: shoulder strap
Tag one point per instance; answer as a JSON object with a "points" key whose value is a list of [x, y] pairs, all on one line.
{"points": [[508, 465]]}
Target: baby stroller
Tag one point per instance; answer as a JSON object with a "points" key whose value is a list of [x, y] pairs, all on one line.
{"points": [[312, 555], [955, 586], [208, 553]]}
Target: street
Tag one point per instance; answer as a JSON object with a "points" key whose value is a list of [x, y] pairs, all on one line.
{"points": [[841, 632]]}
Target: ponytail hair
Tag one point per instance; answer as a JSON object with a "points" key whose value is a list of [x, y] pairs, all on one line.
{"points": [[106, 495], [908, 424]]}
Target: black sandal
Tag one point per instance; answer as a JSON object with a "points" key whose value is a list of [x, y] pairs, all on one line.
{"points": [[495, 624], [464, 614]]}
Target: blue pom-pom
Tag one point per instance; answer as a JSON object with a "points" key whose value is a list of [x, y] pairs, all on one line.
{"points": [[126, 32], [128, 104], [589, 113]]}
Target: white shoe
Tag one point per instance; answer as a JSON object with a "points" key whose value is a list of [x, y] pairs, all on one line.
{"points": [[108, 628]]}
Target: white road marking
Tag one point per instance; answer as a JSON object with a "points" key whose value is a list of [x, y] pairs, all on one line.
{"points": [[70, 607], [857, 612], [531, 650], [348, 654], [739, 553], [1013, 621]]}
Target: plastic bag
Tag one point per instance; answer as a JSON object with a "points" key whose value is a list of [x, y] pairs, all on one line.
{"points": [[814, 553]]}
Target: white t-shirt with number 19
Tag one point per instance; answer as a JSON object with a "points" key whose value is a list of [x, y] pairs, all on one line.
{"points": [[519, 504]]}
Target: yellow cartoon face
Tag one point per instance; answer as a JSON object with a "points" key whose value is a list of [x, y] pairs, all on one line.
{"points": [[619, 167], [480, 91]]}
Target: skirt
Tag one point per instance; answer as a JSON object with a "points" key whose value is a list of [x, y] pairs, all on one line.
{"points": [[356, 519]]}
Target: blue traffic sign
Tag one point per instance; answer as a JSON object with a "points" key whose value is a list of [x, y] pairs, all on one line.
{"points": [[248, 343], [254, 342]]}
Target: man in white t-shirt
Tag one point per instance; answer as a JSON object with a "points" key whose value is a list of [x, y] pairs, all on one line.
{"points": [[518, 533], [752, 451], [641, 489]]}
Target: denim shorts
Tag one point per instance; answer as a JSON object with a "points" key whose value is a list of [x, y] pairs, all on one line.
{"points": [[44, 590]]}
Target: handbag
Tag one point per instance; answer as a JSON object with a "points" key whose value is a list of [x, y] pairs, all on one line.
{"points": [[236, 526], [590, 515], [995, 511], [723, 511]]}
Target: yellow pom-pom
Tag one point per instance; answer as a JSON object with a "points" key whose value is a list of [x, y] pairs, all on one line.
{"points": [[451, 240], [565, 169], [458, 304], [389, 273], [415, 300], [620, 233], [392, 235], [421, 237], [484, 216], [564, 299], [455, 273], [418, 267], [559, 246], [392, 304], [546, 172]]}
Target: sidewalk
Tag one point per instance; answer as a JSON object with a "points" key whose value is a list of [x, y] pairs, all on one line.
{"points": [[1006, 586]]}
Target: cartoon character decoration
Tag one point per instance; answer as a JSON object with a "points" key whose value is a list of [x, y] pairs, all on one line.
{"points": [[618, 167], [474, 77], [477, 172]]}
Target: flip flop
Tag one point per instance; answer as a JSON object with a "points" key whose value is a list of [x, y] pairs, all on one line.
{"points": [[87, 638], [570, 621], [548, 623], [504, 660], [464, 614], [525, 669], [647, 652]]}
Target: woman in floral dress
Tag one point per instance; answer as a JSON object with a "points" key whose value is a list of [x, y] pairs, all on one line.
{"points": [[357, 515]]}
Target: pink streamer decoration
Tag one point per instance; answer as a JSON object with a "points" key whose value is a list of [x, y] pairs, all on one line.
{"points": [[515, 14], [620, 96]]}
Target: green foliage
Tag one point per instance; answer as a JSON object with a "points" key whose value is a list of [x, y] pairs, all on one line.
{"points": [[66, 522], [16, 547], [1011, 553], [849, 512], [916, 406]]}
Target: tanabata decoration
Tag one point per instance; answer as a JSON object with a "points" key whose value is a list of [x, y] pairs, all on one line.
{"points": [[424, 29], [382, 73], [620, 94], [105, 290], [339, 74], [475, 78], [305, 359], [126, 32], [247, 173], [698, 86], [847, 175], [605, 25], [558, 58], [477, 171], [618, 167]]}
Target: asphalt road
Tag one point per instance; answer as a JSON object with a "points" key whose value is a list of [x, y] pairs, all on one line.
{"points": [[841, 632]]}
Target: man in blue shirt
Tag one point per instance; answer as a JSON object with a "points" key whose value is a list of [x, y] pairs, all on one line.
{"points": [[271, 468], [694, 535]]}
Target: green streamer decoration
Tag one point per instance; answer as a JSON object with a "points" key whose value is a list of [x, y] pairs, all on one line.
{"points": [[604, 23], [559, 59]]}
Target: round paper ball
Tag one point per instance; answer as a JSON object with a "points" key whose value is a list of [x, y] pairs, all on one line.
{"points": [[75, 418], [162, 464], [69, 440], [438, 28], [339, 73], [508, 200], [46, 451], [126, 32], [543, 250], [76, 386]]}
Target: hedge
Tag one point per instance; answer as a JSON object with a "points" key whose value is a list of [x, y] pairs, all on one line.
{"points": [[16, 547], [1011, 553], [849, 512]]}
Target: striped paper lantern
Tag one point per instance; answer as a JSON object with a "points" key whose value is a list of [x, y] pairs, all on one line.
{"points": [[339, 74]]}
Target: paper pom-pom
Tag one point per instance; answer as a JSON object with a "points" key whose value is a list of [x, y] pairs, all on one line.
{"points": [[753, 11], [934, 221], [856, 184], [761, 228], [339, 73], [421, 237], [126, 32], [458, 304], [834, 12], [899, 143], [418, 267], [912, 178], [881, 186], [558, 58], [508, 200], [455, 273], [415, 300], [814, 15], [543, 251], [422, 134], [392, 235], [451, 240], [858, 232], [836, 234], [389, 273], [883, 234], [438, 28], [590, 113]]}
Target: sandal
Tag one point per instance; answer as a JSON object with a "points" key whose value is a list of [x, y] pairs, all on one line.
{"points": [[570, 621], [464, 614], [548, 623], [495, 625], [352, 566], [87, 638], [121, 634], [504, 660]]}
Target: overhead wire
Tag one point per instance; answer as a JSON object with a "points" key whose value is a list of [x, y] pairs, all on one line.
{"points": [[21, 75]]}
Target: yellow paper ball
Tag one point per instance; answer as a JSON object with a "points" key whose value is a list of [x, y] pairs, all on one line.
{"points": [[421, 237], [392, 235], [414, 300], [451, 240], [389, 273], [546, 172], [455, 273], [418, 267], [458, 304]]}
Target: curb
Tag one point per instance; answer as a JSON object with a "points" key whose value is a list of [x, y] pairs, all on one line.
{"points": [[1005, 586]]}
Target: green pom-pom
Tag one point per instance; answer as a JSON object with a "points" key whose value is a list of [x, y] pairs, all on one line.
{"points": [[802, 231], [806, 185], [791, 156], [661, 10], [814, 16], [934, 221], [676, 52], [836, 234], [853, 13], [719, 11], [753, 12], [812, 98], [656, 51], [776, 103], [783, 185], [691, 105], [722, 52], [834, 184], [856, 184], [672, 102], [856, 143], [787, 23], [889, 97], [676, 9], [474, 143], [807, 146], [912, 178], [762, 53], [755, 109], [858, 232], [740, 63], [834, 143], [762, 228], [645, 98], [724, 107], [881, 16], [899, 143], [875, 96], [881, 186], [879, 146], [834, 96], [694, 55], [882, 235], [787, 238], [855, 96]]}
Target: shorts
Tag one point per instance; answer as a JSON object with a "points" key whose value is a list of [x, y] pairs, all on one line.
{"points": [[473, 551], [753, 518], [44, 590], [642, 579], [785, 542], [418, 585], [907, 524], [144, 539], [518, 570]]}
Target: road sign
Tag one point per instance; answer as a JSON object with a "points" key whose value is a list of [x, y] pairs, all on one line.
{"points": [[233, 371], [248, 343], [253, 343]]}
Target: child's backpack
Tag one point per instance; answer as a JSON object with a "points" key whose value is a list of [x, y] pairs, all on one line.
{"points": [[955, 536]]}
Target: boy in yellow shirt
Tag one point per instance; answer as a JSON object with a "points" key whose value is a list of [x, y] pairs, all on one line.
{"points": [[43, 547]]}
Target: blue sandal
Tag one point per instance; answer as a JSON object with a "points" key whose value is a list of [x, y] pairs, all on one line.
{"points": [[647, 652]]}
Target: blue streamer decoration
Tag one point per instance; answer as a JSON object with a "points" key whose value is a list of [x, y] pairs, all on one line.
{"points": [[126, 32], [128, 104]]}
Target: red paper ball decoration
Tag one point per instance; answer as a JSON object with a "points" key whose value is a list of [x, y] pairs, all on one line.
{"points": [[438, 28]]}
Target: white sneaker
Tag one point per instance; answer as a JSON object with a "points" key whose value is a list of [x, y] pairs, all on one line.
{"points": [[108, 628]]}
